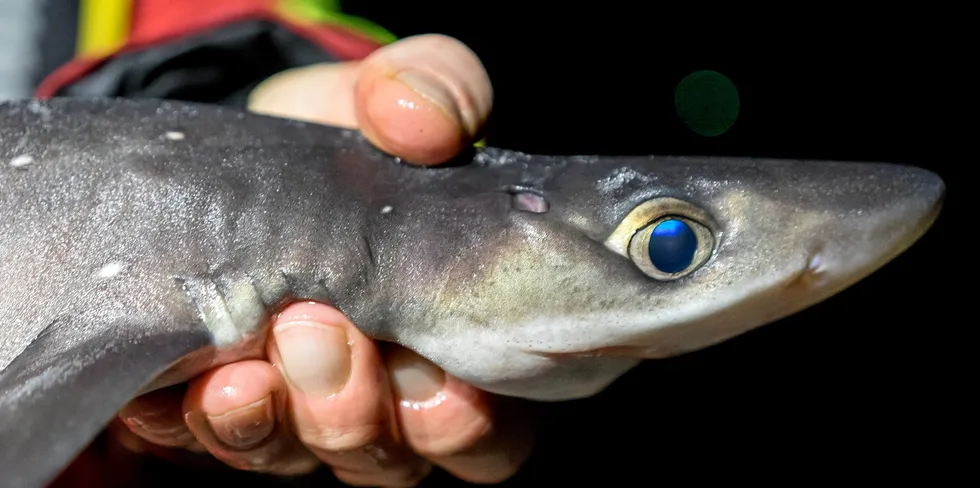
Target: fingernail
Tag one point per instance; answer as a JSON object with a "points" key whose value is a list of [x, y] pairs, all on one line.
{"points": [[315, 357], [126, 438], [429, 87], [414, 378], [246, 426], [163, 428], [463, 79]]}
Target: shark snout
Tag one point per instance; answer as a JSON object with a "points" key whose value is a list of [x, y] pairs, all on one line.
{"points": [[880, 216], [909, 205], [932, 195]]}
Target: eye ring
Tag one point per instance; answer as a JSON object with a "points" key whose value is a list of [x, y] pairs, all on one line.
{"points": [[631, 238], [690, 233]]}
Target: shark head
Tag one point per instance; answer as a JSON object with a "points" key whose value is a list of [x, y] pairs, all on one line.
{"points": [[594, 264]]}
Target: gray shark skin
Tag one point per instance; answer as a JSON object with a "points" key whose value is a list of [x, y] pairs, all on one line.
{"points": [[144, 242]]}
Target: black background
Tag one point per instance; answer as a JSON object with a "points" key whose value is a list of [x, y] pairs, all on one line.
{"points": [[866, 386]]}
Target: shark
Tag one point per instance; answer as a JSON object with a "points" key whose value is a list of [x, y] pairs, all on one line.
{"points": [[143, 242]]}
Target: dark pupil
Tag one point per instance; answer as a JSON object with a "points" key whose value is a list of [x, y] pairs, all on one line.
{"points": [[672, 246]]}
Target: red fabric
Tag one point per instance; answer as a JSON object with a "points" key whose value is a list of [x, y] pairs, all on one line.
{"points": [[160, 21], [67, 74]]}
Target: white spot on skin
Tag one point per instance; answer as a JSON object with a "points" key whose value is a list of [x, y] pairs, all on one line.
{"points": [[619, 178], [21, 161], [175, 135], [110, 270], [386, 209]]}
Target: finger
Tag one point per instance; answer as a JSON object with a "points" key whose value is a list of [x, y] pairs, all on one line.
{"points": [[238, 413], [340, 398], [125, 448], [158, 417], [322, 93], [423, 98], [473, 435]]}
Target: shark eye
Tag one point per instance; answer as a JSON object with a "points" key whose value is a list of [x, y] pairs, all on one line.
{"points": [[666, 238], [671, 247]]}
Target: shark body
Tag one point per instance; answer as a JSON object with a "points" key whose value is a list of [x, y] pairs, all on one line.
{"points": [[144, 242]]}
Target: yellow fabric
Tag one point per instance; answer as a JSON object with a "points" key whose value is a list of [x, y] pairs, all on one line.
{"points": [[103, 26]]}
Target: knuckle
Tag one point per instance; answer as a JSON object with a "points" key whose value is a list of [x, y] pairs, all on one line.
{"points": [[289, 469], [404, 476], [357, 479], [298, 466], [416, 475], [260, 461], [341, 439], [498, 474]]}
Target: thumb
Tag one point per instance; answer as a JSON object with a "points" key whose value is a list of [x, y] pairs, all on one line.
{"points": [[423, 98], [321, 93]]}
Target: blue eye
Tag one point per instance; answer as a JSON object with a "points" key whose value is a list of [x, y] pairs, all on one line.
{"points": [[673, 245], [668, 238]]}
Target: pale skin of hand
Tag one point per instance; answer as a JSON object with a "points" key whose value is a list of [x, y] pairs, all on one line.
{"points": [[327, 394]]}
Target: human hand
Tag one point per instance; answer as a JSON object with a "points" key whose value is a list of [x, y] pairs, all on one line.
{"points": [[376, 414]]}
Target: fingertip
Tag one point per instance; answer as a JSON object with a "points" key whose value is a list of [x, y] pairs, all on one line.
{"points": [[124, 436], [238, 413], [417, 382], [340, 398], [423, 98], [232, 386], [449, 422], [310, 311], [237, 401], [405, 476], [472, 434], [334, 374], [157, 417], [311, 346], [402, 122]]}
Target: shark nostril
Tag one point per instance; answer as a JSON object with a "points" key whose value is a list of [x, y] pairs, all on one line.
{"points": [[814, 264], [811, 274], [529, 202]]}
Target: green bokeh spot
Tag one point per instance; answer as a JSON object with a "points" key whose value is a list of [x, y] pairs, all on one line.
{"points": [[707, 102]]}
